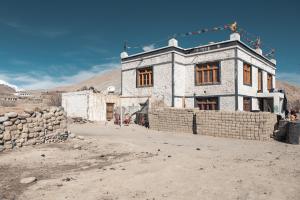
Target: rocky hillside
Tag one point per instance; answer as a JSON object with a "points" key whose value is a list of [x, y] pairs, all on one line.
{"points": [[5, 89], [99, 82], [292, 92]]}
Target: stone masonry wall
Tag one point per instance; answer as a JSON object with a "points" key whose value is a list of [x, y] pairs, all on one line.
{"points": [[241, 125], [32, 127], [171, 119]]}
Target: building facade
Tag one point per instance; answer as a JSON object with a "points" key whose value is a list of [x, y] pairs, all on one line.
{"points": [[227, 75], [90, 105]]}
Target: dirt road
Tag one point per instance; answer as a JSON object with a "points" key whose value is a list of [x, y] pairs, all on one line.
{"points": [[136, 163]]}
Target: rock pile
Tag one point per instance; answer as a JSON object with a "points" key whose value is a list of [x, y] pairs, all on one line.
{"points": [[33, 127]]}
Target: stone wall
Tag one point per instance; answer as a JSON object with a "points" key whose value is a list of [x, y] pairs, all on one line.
{"points": [[241, 125], [32, 127], [168, 119]]}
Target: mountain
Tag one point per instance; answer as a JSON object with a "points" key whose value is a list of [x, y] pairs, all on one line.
{"points": [[5, 89], [5, 86], [292, 92], [99, 82], [113, 78]]}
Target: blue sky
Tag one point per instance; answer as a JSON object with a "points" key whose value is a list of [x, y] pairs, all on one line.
{"points": [[45, 44]]}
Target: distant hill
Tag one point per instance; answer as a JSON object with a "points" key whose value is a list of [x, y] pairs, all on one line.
{"points": [[292, 92], [99, 82], [5, 89]]}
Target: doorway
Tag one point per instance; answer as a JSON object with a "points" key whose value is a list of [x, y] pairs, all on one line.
{"points": [[109, 111]]}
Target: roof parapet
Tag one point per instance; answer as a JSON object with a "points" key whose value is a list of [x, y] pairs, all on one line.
{"points": [[173, 42], [235, 36], [124, 54]]}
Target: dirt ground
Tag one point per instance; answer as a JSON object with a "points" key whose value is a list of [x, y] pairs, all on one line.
{"points": [[136, 163]]}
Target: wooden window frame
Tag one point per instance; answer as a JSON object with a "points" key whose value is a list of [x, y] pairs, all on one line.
{"points": [[250, 104], [210, 71], [247, 72], [260, 81], [144, 77], [269, 85], [207, 103]]}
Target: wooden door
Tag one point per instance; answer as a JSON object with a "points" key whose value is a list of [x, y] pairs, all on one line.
{"points": [[109, 111]]}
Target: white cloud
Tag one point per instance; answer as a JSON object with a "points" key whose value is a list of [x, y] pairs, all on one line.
{"points": [[149, 47], [37, 80], [289, 77]]}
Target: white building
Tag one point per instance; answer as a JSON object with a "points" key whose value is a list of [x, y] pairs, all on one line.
{"points": [[90, 105], [227, 75]]}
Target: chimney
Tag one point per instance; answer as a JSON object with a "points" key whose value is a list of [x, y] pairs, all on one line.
{"points": [[173, 42], [235, 36], [124, 54]]}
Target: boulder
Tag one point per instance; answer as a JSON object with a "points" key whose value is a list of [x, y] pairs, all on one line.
{"points": [[12, 115], [24, 116], [7, 123], [1, 148], [47, 116], [17, 122], [29, 111], [6, 136], [13, 120], [11, 128], [3, 119], [28, 180], [31, 135], [20, 126], [8, 145]]}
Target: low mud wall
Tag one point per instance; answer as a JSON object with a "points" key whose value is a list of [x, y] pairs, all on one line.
{"points": [[32, 127], [241, 125]]}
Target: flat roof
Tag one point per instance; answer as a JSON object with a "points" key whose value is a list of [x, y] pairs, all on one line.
{"points": [[198, 49]]}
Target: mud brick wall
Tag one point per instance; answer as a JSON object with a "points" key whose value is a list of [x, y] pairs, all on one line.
{"points": [[241, 125], [32, 127], [173, 120]]}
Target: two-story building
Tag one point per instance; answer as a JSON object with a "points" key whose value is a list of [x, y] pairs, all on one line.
{"points": [[227, 75]]}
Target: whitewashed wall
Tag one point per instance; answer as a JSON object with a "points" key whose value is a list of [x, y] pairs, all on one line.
{"points": [[97, 105], [162, 82], [184, 78], [88, 105], [76, 104]]}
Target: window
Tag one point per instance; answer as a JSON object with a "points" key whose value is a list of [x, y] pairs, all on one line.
{"points": [[145, 77], [270, 82], [259, 81], [247, 103], [207, 103], [208, 73], [247, 74]]}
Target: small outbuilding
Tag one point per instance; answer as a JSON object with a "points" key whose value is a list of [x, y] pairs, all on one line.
{"points": [[90, 105]]}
